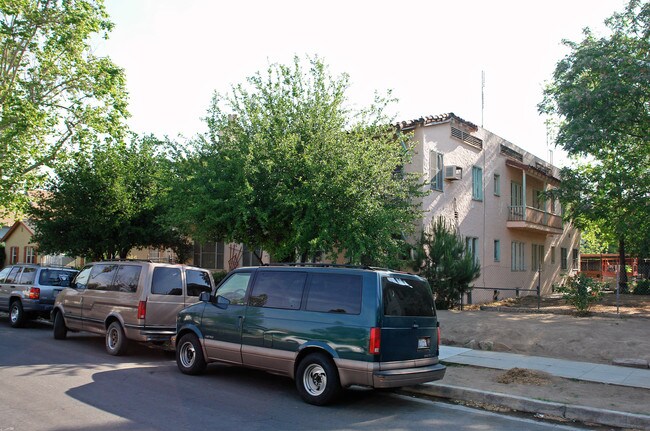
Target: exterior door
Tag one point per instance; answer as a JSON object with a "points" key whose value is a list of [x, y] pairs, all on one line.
{"points": [[73, 299], [166, 298], [222, 323]]}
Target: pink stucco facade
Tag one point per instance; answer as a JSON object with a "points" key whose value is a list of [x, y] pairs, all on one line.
{"points": [[486, 203]]}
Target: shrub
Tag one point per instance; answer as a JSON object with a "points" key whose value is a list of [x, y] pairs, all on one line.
{"points": [[581, 292], [218, 276], [642, 287]]}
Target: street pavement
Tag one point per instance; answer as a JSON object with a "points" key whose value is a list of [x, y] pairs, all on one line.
{"points": [[599, 373]]}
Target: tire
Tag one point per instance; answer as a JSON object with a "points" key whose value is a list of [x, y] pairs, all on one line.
{"points": [[189, 355], [116, 342], [317, 379], [60, 330], [17, 315]]}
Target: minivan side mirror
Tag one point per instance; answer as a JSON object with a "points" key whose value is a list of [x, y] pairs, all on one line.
{"points": [[204, 297], [222, 302]]}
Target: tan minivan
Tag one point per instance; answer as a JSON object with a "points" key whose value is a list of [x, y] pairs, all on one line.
{"points": [[128, 300]]}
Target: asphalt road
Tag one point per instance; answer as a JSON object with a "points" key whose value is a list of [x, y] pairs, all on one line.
{"points": [[71, 385]]}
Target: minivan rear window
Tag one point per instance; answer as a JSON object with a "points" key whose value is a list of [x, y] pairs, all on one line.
{"points": [[407, 297], [167, 281], [335, 293]]}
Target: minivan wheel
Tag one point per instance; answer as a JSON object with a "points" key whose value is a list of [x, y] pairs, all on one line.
{"points": [[60, 331], [317, 379], [189, 355], [17, 314], [116, 342]]}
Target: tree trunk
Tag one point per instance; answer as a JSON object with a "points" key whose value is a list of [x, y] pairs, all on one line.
{"points": [[622, 281]]}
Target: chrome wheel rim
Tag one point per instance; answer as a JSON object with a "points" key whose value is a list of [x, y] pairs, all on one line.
{"points": [[15, 313], [112, 338], [314, 379], [187, 354]]}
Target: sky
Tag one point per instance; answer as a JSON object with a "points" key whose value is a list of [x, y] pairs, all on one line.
{"points": [[431, 54]]}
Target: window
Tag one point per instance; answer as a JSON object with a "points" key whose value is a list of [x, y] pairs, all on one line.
{"points": [[576, 255], [13, 255], [81, 280], [564, 255], [477, 183], [167, 281], [13, 275], [407, 297], [497, 250], [497, 185], [249, 258], [209, 255], [28, 276], [197, 282], [278, 289], [552, 255], [234, 288], [517, 256], [471, 246], [101, 277], [127, 279], [55, 277], [537, 257], [4, 273], [30, 255], [335, 293], [437, 170], [538, 199]]}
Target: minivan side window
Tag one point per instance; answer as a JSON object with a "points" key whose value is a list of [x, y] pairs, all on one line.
{"points": [[127, 278], [197, 282], [167, 281], [407, 297], [335, 293], [234, 288], [276, 289], [28, 276], [101, 277], [13, 275]]}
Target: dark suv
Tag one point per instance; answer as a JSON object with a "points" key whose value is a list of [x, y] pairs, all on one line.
{"points": [[326, 327], [28, 290]]}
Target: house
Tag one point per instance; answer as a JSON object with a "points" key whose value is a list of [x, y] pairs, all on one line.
{"points": [[19, 248], [492, 192]]}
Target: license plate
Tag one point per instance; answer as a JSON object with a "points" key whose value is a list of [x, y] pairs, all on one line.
{"points": [[424, 343]]}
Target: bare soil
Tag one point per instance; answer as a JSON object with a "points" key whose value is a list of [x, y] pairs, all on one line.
{"points": [[517, 326]]}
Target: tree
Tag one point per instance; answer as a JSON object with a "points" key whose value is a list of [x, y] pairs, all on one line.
{"points": [[104, 203], [600, 91], [442, 258], [54, 93], [289, 168]]}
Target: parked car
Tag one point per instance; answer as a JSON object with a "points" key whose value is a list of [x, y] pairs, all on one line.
{"points": [[27, 291], [326, 327], [128, 300]]}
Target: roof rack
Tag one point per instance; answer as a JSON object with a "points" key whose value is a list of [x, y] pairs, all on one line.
{"points": [[126, 260], [320, 265]]}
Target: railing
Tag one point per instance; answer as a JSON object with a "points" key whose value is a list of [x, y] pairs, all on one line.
{"points": [[534, 215]]}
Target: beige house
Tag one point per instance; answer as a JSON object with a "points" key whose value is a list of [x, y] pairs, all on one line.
{"points": [[490, 189], [19, 248]]}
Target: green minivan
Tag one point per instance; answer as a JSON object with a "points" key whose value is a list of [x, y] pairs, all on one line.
{"points": [[328, 327]]}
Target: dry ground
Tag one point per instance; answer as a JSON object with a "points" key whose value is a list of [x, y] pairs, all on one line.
{"points": [[554, 332]]}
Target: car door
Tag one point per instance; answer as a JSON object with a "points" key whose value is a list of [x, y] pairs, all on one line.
{"points": [[73, 297], [4, 294], [222, 319], [9, 286]]}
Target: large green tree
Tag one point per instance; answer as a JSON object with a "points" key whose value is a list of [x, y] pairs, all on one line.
{"points": [[54, 92], [601, 93], [105, 202], [288, 167]]}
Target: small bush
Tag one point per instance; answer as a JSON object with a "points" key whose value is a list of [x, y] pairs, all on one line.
{"points": [[218, 276], [581, 292], [642, 287]]}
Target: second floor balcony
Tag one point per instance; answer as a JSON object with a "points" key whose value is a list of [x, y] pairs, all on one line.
{"points": [[533, 220]]}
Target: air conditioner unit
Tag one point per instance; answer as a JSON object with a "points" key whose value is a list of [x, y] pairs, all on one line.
{"points": [[453, 173]]}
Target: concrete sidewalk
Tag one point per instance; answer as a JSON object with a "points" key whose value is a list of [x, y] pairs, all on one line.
{"points": [[599, 373]]}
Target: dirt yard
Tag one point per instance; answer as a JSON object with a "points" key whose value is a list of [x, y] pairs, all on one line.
{"points": [[518, 327]]}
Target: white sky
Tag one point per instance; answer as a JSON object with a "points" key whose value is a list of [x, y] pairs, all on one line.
{"points": [[430, 53]]}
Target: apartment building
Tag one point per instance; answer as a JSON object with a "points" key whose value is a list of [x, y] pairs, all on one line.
{"points": [[491, 191]]}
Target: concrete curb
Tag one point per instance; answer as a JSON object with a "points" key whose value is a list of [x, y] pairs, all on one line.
{"points": [[529, 405]]}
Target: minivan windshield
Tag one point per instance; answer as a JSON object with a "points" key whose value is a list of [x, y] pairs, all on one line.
{"points": [[404, 296]]}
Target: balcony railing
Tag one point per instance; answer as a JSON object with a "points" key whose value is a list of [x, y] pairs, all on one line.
{"points": [[533, 219]]}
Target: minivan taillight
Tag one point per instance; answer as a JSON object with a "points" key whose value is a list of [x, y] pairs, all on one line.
{"points": [[375, 341], [34, 293], [142, 309]]}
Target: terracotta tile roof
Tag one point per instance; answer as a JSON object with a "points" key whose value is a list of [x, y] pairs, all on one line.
{"points": [[434, 119]]}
